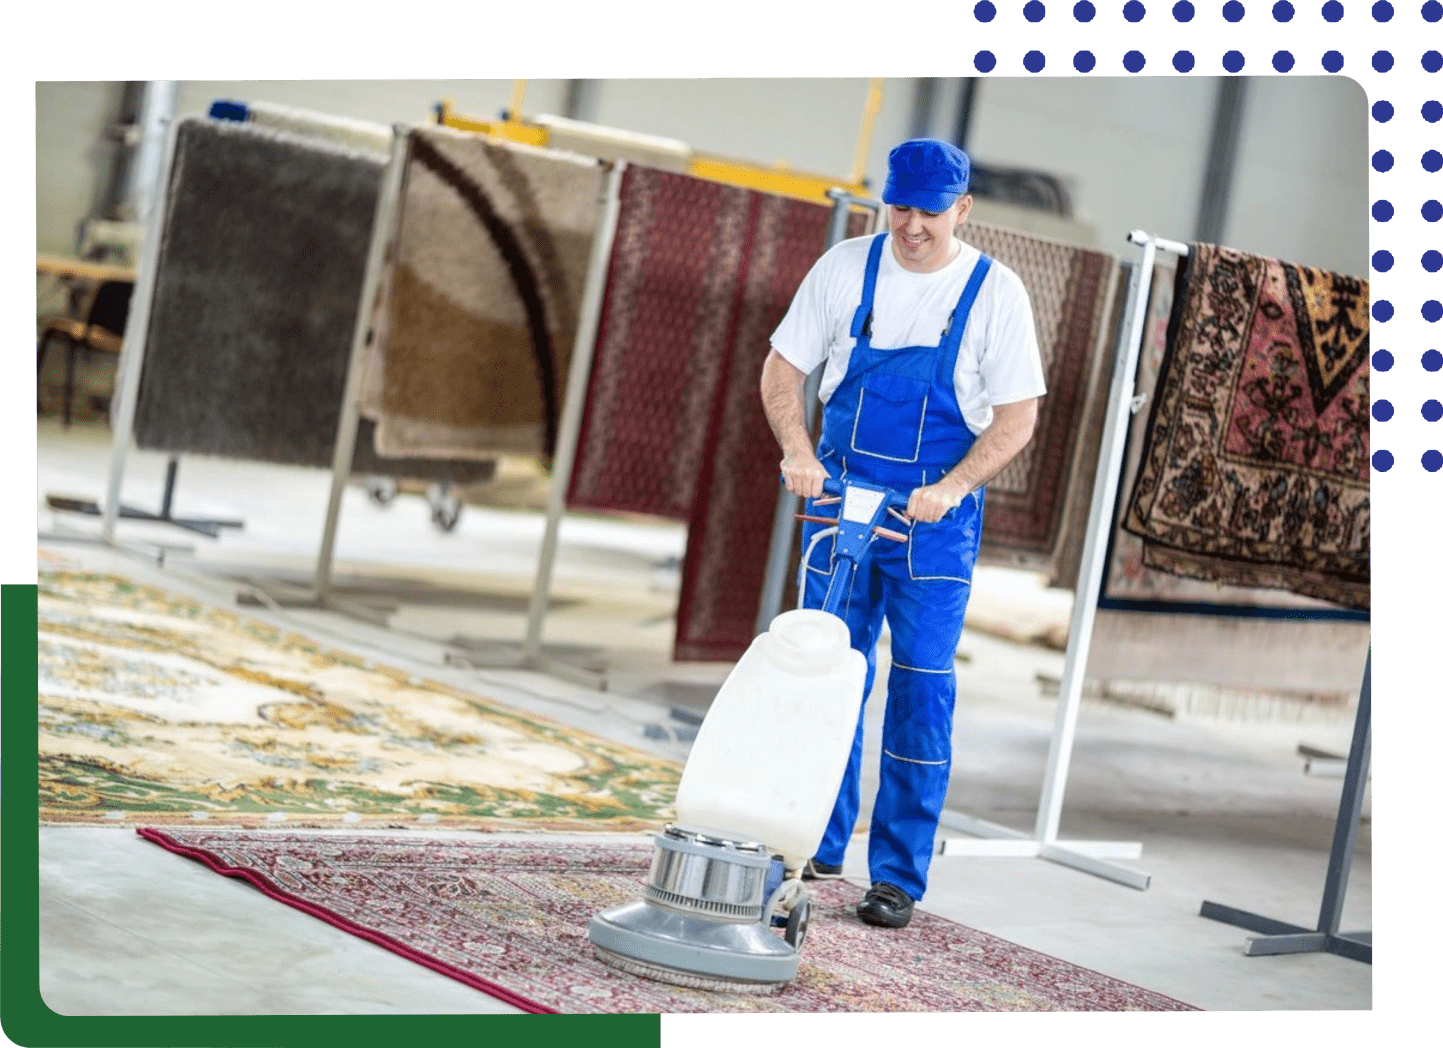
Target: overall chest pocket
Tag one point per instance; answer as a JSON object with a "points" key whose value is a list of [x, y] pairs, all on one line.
{"points": [[890, 413]]}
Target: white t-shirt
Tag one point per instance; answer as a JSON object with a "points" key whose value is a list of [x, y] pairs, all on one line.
{"points": [[997, 363]]}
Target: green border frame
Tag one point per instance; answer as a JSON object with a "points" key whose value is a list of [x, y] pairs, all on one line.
{"points": [[667, 39]]}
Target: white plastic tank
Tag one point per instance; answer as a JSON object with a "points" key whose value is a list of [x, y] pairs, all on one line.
{"points": [[768, 760]]}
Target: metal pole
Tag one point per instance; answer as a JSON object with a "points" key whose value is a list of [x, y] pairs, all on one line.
{"points": [[137, 327], [779, 552], [386, 202], [1222, 159], [579, 377], [1350, 809], [1089, 582]]}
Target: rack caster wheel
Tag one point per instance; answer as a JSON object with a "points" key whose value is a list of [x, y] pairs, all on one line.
{"points": [[382, 490], [445, 506]]}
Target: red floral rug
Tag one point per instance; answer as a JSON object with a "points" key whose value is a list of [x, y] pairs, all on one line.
{"points": [[1255, 470], [509, 918]]}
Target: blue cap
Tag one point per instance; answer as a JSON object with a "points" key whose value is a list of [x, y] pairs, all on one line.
{"points": [[926, 173]]}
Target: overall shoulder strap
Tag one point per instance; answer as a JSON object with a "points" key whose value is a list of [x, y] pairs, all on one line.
{"points": [[862, 319], [952, 337]]}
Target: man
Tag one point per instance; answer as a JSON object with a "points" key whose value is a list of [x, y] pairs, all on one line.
{"points": [[930, 387]]}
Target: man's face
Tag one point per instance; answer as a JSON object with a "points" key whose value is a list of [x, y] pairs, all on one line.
{"points": [[922, 240]]}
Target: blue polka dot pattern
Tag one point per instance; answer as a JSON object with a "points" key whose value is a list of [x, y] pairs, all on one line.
{"points": [[1035, 11], [984, 12], [1382, 311], [1382, 410], [1382, 11], [1233, 61], [1432, 160], [1431, 112], [1382, 159], [1432, 410], [1432, 261], [1382, 211], [1183, 61], [1432, 61], [1432, 360], [1432, 460], [985, 61], [1432, 211], [1333, 61], [1382, 261], [1432, 310], [1233, 11], [1034, 61], [1382, 360], [1333, 11], [1382, 461], [1084, 11], [1432, 11], [1084, 61], [1133, 11], [1283, 61], [1382, 61], [1133, 61], [1382, 111], [1283, 11], [1183, 11]]}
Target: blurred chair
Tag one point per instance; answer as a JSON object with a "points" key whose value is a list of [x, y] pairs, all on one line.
{"points": [[101, 331]]}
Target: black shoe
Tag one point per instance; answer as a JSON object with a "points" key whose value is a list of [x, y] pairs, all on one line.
{"points": [[885, 906], [821, 871]]}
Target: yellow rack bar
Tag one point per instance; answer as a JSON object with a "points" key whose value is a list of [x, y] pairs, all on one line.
{"points": [[779, 178]]}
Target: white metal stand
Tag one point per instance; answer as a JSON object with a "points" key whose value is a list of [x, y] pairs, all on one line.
{"points": [[1043, 843], [320, 595], [531, 654], [127, 382]]}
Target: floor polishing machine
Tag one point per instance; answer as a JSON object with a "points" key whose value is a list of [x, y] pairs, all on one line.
{"points": [[724, 906]]}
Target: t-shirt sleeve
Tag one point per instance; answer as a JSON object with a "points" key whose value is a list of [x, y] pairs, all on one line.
{"points": [[1011, 364], [807, 330]]}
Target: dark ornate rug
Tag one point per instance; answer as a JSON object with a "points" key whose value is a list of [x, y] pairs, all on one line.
{"points": [[1037, 506], [509, 918], [1255, 466]]}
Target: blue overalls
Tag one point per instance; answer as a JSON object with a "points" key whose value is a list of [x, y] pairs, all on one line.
{"points": [[894, 420]]}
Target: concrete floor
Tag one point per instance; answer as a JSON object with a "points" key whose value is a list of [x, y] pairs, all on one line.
{"points": [[1223, 809]]}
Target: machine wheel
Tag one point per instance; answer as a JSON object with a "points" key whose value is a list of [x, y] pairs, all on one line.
{"points": [[797, 924], [382, 490], [445, 506]]}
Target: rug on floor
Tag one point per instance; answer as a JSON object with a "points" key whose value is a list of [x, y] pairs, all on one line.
{"points": [[481, 297], [509, 918], [1255, 468], [1128, 583], [159, 708]]}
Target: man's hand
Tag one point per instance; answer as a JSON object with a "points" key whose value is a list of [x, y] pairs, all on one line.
{"points": [[930, 503], [803, 474]]}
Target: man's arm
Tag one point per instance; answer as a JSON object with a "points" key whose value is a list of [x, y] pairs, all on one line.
{"points": [[782, 386], [997, 445]]}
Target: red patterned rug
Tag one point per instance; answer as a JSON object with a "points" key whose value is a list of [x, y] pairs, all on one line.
{"points": [[509, 918], [701, 273], [1255, 469], [1037, 506]]}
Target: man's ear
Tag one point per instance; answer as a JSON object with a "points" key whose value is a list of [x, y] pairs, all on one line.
{"points": [[964, 208]]}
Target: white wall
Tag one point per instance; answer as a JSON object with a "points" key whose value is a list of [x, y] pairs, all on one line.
{"points": [[1302, 188], [1131, 149]]}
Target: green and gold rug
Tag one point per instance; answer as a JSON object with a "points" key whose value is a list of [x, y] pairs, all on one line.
{"points": [[156, 708]]}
